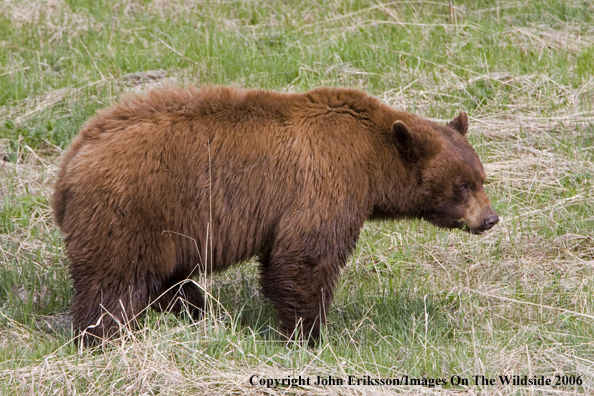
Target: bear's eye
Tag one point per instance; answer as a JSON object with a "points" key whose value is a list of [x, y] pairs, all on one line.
{"points": [[463, 187]]}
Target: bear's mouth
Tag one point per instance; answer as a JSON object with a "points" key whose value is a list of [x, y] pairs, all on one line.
{"points": [[472, 231]]}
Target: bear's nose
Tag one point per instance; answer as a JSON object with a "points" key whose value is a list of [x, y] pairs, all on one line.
{"points": [[490, 221]]}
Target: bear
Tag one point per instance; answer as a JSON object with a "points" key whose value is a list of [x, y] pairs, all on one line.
{"points": [[180, 180]]}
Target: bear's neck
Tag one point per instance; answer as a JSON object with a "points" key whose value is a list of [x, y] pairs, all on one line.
{"points": [[397, 193]]}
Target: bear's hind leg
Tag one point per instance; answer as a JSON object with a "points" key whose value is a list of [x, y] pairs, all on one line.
{"points": [[179, 296], [101, 312]]}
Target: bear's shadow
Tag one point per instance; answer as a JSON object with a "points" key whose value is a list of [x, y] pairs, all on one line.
{"points": [[382, 312], [235, 298]]}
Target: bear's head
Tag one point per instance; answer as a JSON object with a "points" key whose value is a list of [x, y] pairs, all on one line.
{"points": [[449, 175]]}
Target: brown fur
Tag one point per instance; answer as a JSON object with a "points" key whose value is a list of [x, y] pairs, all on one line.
{"points": [[155, 184]]}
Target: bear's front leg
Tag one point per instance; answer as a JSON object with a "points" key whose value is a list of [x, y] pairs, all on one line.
{"points": [[300, 288], [311, 245]]}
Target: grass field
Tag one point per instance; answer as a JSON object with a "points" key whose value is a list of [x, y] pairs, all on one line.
{"points": [[414, 300]]}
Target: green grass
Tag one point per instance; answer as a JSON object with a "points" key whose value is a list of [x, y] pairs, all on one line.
{"points": [[414, 300]]}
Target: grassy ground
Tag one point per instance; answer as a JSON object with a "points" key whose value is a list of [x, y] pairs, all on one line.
{"points": [[414, 300]]}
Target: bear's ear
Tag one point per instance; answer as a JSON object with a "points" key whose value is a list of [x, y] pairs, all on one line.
{"points": [[404, 141], [460, 123]]}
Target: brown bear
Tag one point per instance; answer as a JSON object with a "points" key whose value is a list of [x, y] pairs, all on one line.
{"points": [[157, 183]]}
